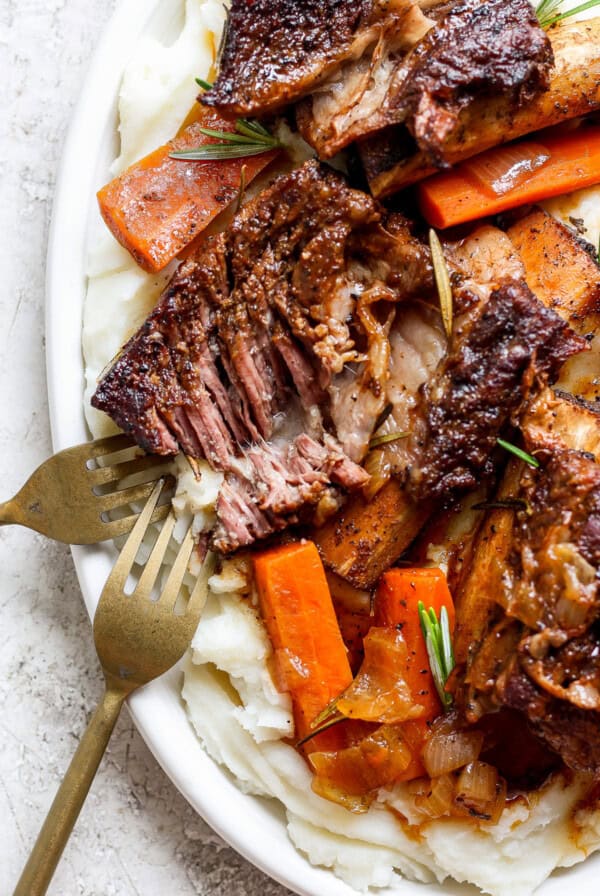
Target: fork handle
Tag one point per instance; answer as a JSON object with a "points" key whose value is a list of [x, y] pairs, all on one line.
{"points": [[10, 513], [70, 797]]}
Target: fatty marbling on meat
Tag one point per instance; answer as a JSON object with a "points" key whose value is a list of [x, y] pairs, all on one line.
{"points": [[239, 362], [278, 50], [426, 72]]}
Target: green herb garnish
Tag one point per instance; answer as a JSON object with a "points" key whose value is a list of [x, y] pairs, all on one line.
{"points": [[439, 648], [389, 437], [442, 280], [205, 85], [518, 452], [250, 138], [325, 727], [548, 11]]}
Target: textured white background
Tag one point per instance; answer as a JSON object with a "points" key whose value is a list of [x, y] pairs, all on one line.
{"points": [[136, 836]]}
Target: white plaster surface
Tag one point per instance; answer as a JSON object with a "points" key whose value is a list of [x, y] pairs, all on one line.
{"points": [[136, 836]]}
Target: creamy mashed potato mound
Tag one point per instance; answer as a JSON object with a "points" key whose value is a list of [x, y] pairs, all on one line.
{"points": [[239, 716]]}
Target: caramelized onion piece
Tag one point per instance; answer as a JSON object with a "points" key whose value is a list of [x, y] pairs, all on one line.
{"points": [[439, 800], [379, 693], [352, 776], [503, 169], [482, 791], [445, 753], [477, 786], [379, 468]]}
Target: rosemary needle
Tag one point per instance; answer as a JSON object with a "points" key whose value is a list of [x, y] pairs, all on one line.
{"points": [[439, 648], [518, 452], [442, 281]]}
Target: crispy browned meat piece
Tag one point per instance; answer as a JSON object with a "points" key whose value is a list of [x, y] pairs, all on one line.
{"points": [[425, 73], [278, 50], [505, 342], [571, 732], [511, 342], [553, 585], [392, 160], [536, 647], [240, 361], [495, 47], [358, 98]]}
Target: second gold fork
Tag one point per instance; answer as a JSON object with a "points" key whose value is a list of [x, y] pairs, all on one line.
{"points": [[137, 639]]}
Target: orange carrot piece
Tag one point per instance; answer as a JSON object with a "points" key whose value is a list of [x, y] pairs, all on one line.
{"points": [[396, 604], [159, 205], [502, 178], [298, 612]]}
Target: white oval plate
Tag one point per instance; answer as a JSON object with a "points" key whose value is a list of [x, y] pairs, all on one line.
{"points": [[255, 827]]}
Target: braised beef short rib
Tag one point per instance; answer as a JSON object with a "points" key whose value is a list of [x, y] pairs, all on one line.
{"points": [[240, 362]]}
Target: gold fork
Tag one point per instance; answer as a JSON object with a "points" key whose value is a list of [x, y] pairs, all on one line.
{"points": [[69, 498], [137, 639]]}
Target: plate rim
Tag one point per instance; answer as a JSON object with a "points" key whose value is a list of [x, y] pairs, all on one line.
{"points": [[213, 795]]}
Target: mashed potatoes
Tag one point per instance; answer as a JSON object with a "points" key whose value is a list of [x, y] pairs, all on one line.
{"points": [[239, 716]]}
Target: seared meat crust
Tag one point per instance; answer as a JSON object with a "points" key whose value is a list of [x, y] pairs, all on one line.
{"points": [[423, 73], [491, 47], [539, 651], [278, 50], [571, 732], [392, 160], [494, 359], [240, 360]]}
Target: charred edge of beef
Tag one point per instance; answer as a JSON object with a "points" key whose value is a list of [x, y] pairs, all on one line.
{"points": [[493, 47], [277, 50], [248, 337], [419, 75], [513, 340], [543, 657], [570, 731]]}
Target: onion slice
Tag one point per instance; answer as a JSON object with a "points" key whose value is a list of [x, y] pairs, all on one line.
{"points": [[379, 693], [445, 753], [353, 775], [505, 168]]}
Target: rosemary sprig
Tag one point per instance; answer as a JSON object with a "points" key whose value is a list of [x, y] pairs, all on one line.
{"points": [[326, 714], [442, 280], [548, 11], [439, 648], [249, 139], [502, 504], [324, 727], [389, 437], [518, 452]]}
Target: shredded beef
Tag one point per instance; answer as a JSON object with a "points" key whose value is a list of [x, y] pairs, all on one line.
{"points": [[240, 361], [423, 71]]}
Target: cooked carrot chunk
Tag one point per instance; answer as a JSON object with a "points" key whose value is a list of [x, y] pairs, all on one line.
{"points": [[300, 618], [159, 205], [396, 604], [550, 164]]}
